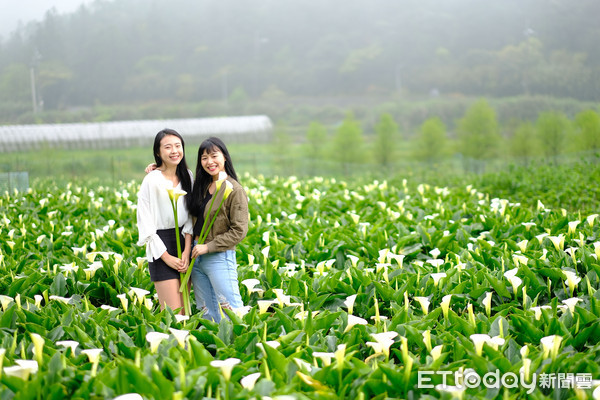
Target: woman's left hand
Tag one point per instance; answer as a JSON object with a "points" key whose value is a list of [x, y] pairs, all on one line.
{"points": [[185, 257], [199, 249]]}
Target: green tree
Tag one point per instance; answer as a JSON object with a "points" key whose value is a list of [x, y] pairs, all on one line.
{"points": [[15, 83], [478, 137], [238, 99], [524, 145], [431, 143], [316, 142], [348, 143], [552, 131], [386, 131], [587, 130], [282, 145]]}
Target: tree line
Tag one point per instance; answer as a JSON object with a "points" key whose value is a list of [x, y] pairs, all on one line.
{"points": [[475, 138], [176, 51]]}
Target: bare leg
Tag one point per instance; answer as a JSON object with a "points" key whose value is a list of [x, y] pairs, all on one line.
{"points": [[169, 294]]}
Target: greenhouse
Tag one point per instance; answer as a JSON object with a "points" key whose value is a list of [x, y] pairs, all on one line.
{"points": [[97, 135]]}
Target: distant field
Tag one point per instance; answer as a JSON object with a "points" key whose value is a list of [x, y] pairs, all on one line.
{"points": [[113, 165], [124, 164]]}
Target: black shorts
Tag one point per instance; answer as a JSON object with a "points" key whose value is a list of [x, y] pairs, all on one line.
{"points": [[159, 270]]}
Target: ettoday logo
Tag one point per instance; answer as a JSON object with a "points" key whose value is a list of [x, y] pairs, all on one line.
{"points": [[470, 379]]}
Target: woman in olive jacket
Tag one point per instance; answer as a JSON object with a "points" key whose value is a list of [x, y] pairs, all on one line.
{"points": [[214, 273]]}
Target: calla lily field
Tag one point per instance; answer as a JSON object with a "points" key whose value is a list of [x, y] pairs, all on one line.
{"points": [[365, 289]]}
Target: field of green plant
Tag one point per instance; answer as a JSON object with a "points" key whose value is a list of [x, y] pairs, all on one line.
{"points": [[354, 289]]}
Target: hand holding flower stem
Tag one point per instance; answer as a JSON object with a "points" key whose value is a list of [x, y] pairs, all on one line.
{"points": [[206, 228], [174, 196]]}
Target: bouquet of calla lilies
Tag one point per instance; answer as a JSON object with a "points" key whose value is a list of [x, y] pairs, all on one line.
{"points": [[228, 188]]}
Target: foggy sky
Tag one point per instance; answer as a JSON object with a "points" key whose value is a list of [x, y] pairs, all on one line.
{"points": [[26, 11]]}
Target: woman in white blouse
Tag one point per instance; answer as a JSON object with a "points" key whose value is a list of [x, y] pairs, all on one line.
{"points": [[155, 220]]}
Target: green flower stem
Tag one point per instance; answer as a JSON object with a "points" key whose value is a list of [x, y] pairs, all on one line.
{"points": [[186, 277], [183, 287], [174, 206], [186, 294], [204, 234]]}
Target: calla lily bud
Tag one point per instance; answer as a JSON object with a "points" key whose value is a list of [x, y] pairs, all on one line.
{"points": [[2, 353], [222, 177], [427, 340], [446, 305], [228, 189], [38, 347], [124, 301]]}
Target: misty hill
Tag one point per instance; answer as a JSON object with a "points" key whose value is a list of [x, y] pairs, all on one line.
{"points": [[139, 51]]}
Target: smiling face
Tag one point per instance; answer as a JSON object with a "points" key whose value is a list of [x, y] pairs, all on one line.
{"points": [[213, 162], [171, 151]]}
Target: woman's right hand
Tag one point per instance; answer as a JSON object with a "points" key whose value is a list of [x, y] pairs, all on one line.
{"points": [[176, 263], [150, 168]]}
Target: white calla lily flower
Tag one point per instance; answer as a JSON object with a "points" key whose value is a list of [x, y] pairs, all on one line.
{"points": [[226, 366], [446, 305], [154, 338], [180, 335], [571, 303], [551, 345], [94, 358], [437, 277], [479, 339], [572, 280], [249, 381], [436, 352], [70, 344], [424, 302], [349, 303], [138, 294], [354, 320]]}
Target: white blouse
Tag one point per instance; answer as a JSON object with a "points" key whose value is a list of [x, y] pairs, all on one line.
{"points": [[154, 212]]}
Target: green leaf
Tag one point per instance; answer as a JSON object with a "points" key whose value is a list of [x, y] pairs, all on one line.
{"points": [[9, 318], [201, 356], [498, 285], [59, 285], [525, 331], [276, 360]]}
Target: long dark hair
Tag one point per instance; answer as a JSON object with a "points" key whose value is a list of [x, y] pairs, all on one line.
{"points": [[182, 168], [203, 178]]}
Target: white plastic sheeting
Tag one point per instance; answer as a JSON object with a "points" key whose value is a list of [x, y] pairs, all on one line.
{"points": [[131, 133]]}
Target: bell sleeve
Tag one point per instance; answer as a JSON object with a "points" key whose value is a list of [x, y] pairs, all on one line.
{"points": [[146, 223]]}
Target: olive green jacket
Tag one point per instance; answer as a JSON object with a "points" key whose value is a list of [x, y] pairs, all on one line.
{"points": [[231, 224]]}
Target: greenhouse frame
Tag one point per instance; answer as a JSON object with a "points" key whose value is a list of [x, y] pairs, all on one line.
{"points": [[100, 135]]}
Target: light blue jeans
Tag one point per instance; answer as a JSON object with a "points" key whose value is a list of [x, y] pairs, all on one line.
{"points": [[215, 280]]}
